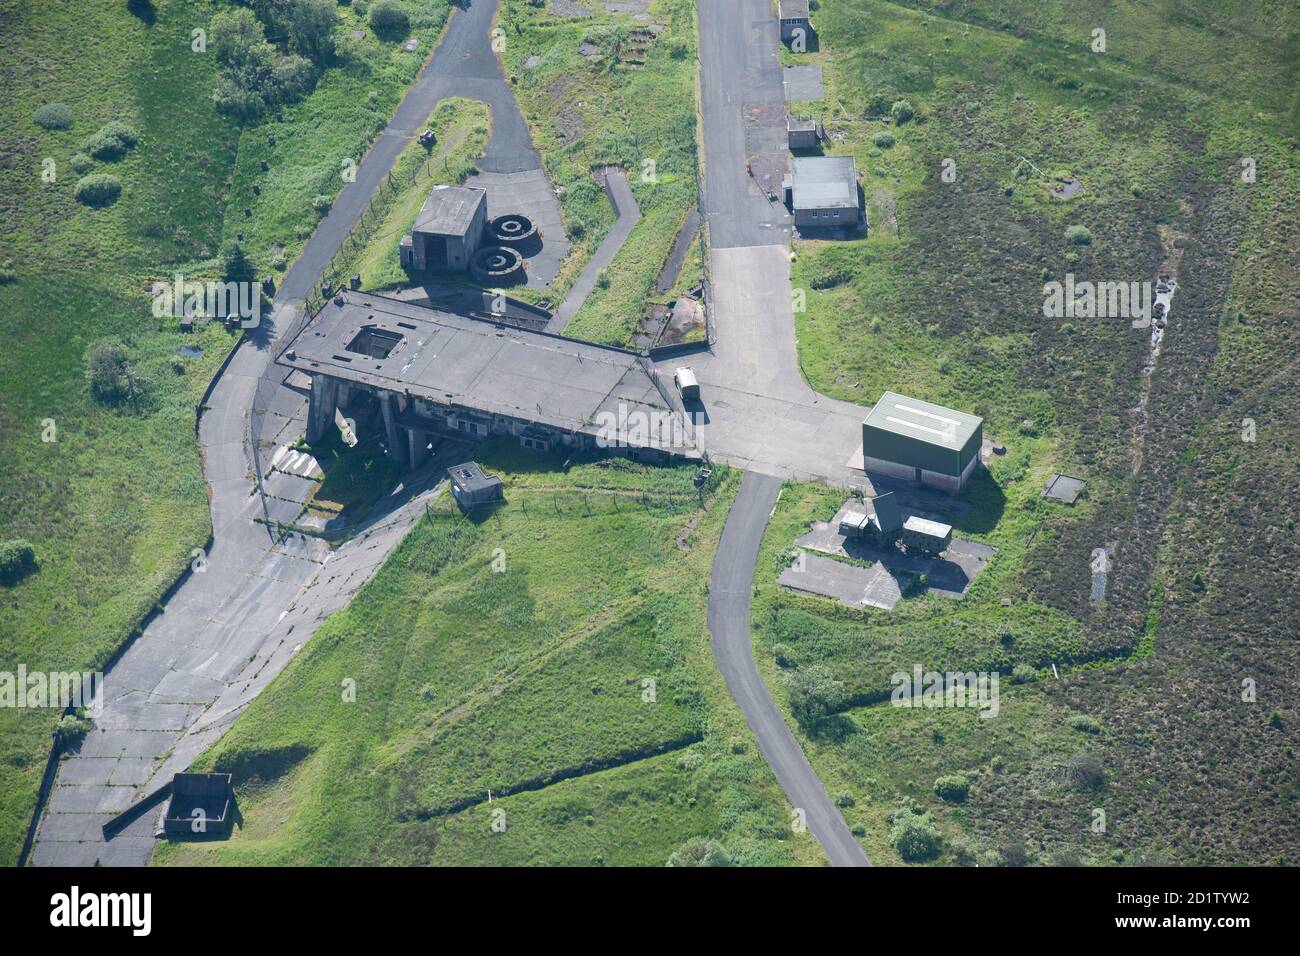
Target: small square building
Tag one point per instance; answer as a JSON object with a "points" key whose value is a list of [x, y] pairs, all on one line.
{"points": [[801, 133], [471, 487], [919, 441], [794, 17], [823, 191], [447, 230]]}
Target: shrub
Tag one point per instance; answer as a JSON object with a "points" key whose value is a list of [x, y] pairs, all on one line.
{"points": [[1023, 674], [784, 655], [98, 190], [1079, 235], [81, 164], [844, 799], [17, 558], [700, 852], [952, 788], [914, 836], [884, 140], [901, 111], [1084, 769], [1087, 723], [108, 372], [53, 116], [389, 21], [7, 274], [72, 728], [321, 204], [815, 694], [1014, 853], [111, 143]]}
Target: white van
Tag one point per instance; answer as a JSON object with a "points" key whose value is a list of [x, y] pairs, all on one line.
{"points": [[687, 383]]}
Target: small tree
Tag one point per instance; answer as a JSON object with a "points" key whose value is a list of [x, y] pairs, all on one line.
{"points": [[815, 694], [109, 373], [311, 28], [700, 852], [72, 728], [901, 111], [17, 558], [53, 116], [952, 788], [1084, 769], [914, 836], [235, 264], [1079, 235], [389, 21], [97, 190]]}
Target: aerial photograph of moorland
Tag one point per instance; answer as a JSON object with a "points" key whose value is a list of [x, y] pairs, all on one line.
{"points": [[654, 433]]}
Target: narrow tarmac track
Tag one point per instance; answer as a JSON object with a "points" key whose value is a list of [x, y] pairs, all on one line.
{"points": [[730, 589]]}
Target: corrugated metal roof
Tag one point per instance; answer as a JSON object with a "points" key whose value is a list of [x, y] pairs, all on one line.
{"points": [[824, 182], [923, 421]]}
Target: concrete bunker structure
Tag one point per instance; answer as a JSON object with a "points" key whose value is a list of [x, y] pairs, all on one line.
{"points": [[200, 806], [471, 487], [919, 441], [421, 374], [447, 231]]}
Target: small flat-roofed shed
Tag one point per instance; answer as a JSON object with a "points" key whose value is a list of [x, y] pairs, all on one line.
{"points": [[471, 487], [823, 191]]}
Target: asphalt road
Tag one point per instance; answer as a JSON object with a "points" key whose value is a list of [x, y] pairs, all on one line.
{"points": [[225, 633], [760, 413], [730, 590]]}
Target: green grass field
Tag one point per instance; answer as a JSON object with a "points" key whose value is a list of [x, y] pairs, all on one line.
{"points": [[629, 102], [553, 653], [116, 504], [944, 301]]}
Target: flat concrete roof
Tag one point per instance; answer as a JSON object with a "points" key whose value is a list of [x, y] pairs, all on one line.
{"points": [[800, 125], [934, 529], [923, 421], [477, 364], [794, 9], [449, 210], [824, 182]]}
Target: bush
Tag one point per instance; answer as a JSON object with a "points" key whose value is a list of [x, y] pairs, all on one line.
{"points": [[1023, 674], [700, 852], [901, 111], [844, 799], [17, 558], [72, 728], [952, 788], [109, 374], [321, 204], [914, 836], [111, 143], [1087, 723], [98, 190], [1084, 769], [53, 116], [1079, 235], [884, 140], [815, 694], [81, 164], [389, 21]]}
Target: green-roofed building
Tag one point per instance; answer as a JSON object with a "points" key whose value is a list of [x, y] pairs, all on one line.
{"points": [[919, 441]]}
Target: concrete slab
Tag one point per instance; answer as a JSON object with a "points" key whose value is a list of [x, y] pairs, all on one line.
{"points": [[803, 83], [529, 192]]}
